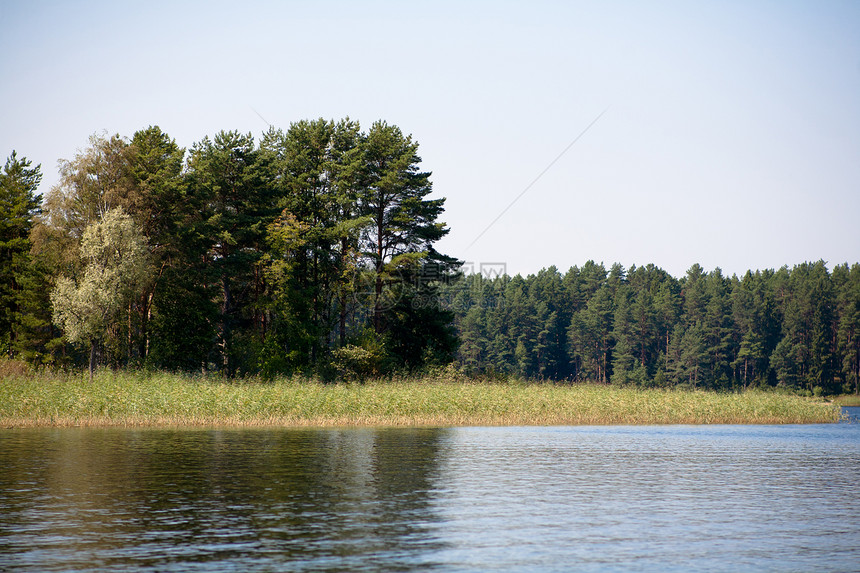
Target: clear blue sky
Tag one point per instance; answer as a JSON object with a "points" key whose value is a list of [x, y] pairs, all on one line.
{"points": [[731, 136]]}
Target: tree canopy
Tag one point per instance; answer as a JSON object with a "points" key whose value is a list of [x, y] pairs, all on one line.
{"points": [[115, 258], [249, 257], [313, 251], [19, 205], [795, 328]]}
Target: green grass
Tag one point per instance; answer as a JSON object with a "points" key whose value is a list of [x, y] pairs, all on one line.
{"points": [[848, 400], [133, 399]]}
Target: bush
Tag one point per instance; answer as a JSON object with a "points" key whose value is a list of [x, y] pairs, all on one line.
{"points": [[359, 362]]}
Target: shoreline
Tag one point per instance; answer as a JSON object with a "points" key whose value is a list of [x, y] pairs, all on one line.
{"points": [[160, 400]]}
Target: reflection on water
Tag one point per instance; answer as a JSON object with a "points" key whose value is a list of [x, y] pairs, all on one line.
{"points": [[468, 499], [110, 499]]}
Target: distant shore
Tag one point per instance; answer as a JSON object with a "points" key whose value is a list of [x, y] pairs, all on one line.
{"points": [[135, 399], [848, 400]]}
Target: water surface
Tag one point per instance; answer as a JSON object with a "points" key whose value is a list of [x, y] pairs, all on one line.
{"points": [[667, 498]]}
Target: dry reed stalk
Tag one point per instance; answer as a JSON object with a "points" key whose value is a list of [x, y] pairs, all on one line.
{"points": [[162, 400]]}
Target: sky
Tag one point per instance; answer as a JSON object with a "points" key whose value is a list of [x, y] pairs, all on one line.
{"points": [[672, 133]]}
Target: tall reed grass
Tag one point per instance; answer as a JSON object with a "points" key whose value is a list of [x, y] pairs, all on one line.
{"points": [[138, 399]]}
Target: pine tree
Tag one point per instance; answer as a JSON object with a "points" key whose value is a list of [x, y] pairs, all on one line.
{"points": [[471, 353], [667, 307], [718, 331], [623, 358], [590, 337], [403, 267], [19, 204], [228, 185], [848, 336], [155, 199], [313, 255], [804, 355], [752, 310]]}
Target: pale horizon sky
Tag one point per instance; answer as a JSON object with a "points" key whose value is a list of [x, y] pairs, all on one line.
{"points": [[730, 138]]}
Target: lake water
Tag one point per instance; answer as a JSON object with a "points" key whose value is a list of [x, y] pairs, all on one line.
{"points": [[658, 498]]}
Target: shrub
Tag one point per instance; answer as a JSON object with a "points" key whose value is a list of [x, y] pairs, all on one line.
{"points": [[359, 362]]}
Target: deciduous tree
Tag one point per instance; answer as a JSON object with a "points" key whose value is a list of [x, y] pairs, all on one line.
{"points": [[115, 269]]}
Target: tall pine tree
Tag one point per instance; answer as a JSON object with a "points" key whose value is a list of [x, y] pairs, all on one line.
{"points": [[19, 204]]}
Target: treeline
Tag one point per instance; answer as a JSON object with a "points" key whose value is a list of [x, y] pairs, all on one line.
{"points": [[798, 328], [312, 251], [301, 252]]}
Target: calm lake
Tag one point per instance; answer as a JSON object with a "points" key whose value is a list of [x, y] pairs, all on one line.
{"points": [[657, 498]]}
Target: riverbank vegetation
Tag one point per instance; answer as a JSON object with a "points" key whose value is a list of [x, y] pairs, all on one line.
{"points": [[127, 399], [311, 253]]}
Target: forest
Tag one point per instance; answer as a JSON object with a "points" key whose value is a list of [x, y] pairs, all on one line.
{"points": [[794, 328], [312, 252], [300, 253]]}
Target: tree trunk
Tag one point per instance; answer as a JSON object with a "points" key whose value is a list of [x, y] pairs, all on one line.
{"points": [[377, 308], [380, 265], [145, 325], [667, 350], [130, 338], [857, 373], [226, 326], [92, 358], [342, 326], [344, 248]]}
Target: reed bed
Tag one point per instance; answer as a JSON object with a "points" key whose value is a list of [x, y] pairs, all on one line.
{"points": [[131, 399]]}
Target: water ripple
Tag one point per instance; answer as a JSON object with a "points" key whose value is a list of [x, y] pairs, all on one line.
{"points": [[715, 498]]}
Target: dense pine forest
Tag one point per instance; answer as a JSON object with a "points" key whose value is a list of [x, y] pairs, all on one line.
{"points": [[311, 251], [797, 328]]}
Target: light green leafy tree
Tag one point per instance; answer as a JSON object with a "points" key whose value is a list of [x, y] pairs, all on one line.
{"points": [[116, 268]]}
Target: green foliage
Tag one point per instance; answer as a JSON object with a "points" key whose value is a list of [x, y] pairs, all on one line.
{"points": [[367, 359], [183, 333], [795, 328], [353, 245], [260, 255], [847, 283], [397, 243], [19, 204], [116, 267], [279, 257], [419, 333], [313, 245], [226, 179], [36, 340]]}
